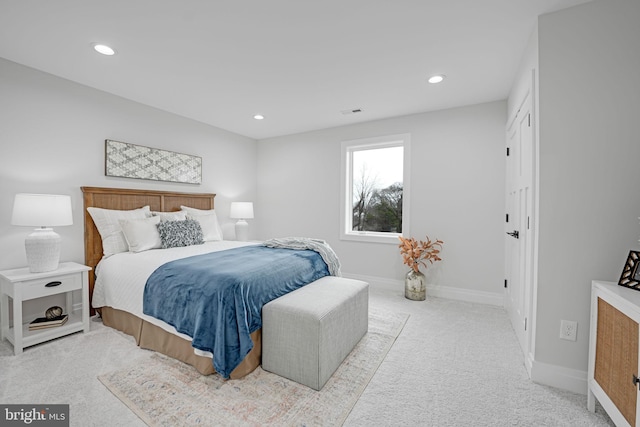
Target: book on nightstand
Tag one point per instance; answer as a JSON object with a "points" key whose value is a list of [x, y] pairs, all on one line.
{"points": [[43, 322]]}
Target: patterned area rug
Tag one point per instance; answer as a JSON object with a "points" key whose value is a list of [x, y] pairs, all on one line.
{"points": [[165, 392]]}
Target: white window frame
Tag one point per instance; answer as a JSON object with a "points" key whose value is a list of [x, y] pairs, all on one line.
{"points": [[346, 188]]}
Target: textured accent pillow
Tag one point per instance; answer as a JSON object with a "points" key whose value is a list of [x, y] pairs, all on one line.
{"points": [[193, 212], [141, 234], [171, 216], [180, 233], [107, 222]]}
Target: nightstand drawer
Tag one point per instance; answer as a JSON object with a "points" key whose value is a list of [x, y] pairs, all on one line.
{"points": [[50, 286]]}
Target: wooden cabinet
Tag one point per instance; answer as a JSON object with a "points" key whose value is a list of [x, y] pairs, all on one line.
{"points": [[613, 352]]}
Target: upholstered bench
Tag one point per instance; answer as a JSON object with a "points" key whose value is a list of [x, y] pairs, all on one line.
{"points": [[307, 333]]}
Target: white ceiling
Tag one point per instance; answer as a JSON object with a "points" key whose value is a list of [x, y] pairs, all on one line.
{"points": [[299, 63]]}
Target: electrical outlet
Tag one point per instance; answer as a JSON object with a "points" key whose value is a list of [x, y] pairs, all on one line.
{"points": [[569, 330]]}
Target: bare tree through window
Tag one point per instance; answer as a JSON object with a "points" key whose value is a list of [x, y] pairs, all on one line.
{"points": [[363, 190], [376, 207]]}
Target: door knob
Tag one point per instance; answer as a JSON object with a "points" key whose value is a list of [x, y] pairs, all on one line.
{"points": [[514, 233]]}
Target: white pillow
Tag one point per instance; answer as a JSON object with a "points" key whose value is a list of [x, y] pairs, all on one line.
{"points": [[209, 225], [171, 216], [107, 222], [193, 212], [141, 234]]}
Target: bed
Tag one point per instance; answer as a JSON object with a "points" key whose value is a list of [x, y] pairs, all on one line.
{"points": [[123, 312]]}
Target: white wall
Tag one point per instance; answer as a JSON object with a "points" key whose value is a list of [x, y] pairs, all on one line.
{"points": [[52, 134], [457, 194], [589, 104]]}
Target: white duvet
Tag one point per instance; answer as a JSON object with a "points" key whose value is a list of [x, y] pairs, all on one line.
{"points": [[120, 278]]}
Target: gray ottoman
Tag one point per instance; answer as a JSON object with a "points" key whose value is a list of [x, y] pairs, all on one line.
{"points": [[307, 333]]}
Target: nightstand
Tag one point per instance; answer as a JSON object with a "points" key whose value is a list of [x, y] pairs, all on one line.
{"points": [[21, 285]]}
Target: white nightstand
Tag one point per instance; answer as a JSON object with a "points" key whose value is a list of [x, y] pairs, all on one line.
{"points": [[21, 285]]}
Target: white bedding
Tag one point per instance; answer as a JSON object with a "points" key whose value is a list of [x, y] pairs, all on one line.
{"points": [[120, 278]]}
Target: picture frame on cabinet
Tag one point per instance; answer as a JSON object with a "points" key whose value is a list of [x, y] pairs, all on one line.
{"points": [[630, 277]]}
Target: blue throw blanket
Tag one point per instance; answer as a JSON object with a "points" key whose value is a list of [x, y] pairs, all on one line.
{"points": [[217, 298]]}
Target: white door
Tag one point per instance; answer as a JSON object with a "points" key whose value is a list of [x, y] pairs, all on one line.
{"points": [[519, 222]]}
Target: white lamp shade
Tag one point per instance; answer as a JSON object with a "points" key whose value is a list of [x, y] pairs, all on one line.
{"points": [[242, 210], [42, 210]]}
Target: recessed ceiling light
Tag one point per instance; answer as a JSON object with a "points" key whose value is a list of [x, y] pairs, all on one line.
{"points": [[104, 49], [436, 79], [258, 117]]}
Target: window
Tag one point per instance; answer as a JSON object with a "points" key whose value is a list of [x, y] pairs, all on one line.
{"points": [[374, 196]]}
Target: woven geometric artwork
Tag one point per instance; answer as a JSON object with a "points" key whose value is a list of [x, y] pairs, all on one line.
{"points": [[136, 161]]}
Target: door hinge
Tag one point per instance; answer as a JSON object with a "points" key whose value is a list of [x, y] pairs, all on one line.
{"points": [[525, 323], [505, 283], [529, 120], [507, 217], [528, 222], [507, 151]]}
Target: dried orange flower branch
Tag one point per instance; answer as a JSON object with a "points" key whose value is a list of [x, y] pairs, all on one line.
{"points": [[415, 253]]}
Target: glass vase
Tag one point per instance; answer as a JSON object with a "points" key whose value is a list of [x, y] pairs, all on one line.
{"points": [[414, 286]]}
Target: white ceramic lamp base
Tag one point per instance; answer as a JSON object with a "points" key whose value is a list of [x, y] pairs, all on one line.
{"points": [[242, 230], [43, 250]]}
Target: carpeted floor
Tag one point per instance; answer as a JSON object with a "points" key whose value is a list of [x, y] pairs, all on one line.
{"points": [[454, 364]]}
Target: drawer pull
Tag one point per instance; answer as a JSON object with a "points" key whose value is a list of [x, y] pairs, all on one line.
{"points": [[52, 284]]}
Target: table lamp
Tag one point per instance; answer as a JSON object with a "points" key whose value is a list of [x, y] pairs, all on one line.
{"points": [[44, 211], [242, 211]]}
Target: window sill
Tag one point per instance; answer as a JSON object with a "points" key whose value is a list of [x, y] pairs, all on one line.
{"points": [[370, 237]]}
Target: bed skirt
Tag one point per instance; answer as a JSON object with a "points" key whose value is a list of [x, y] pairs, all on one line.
{"points": [[152, 337]]}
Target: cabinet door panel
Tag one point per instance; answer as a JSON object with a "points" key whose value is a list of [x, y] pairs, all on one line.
{"points": [[617, 358]]}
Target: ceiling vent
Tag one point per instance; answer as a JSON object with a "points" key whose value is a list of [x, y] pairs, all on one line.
{"points": [[352, 111]]}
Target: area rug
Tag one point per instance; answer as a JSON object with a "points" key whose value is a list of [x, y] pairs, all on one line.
{"points": [[165, 392]]}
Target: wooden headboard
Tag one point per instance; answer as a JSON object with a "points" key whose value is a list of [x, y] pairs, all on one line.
{"points": [[126, 199]]}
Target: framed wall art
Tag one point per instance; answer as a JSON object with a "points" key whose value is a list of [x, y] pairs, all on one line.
{"points": [[630, 277], [126, 160]]}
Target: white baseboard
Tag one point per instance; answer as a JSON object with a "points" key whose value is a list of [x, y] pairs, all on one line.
{"points": [[559, 377], [468, 295], [528, 363], [388, 284], [447, 292]]}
